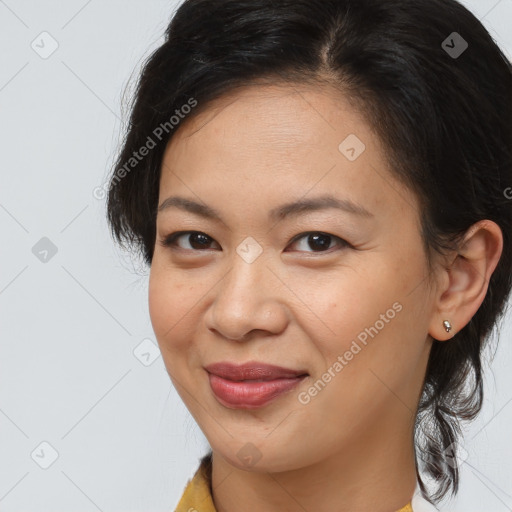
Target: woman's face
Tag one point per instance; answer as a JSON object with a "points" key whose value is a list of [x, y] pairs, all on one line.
{"points": [[334, 293]]}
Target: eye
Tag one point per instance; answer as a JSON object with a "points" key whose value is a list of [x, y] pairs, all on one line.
{"points": [[319, 240], [200, 241], [196, 240]]}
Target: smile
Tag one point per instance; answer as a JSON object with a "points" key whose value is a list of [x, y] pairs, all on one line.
{"points": [[251, 385]]}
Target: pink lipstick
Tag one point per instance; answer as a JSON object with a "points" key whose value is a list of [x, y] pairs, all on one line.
{"points": [[251, 385]]}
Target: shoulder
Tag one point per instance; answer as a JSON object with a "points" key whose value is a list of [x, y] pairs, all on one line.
{"points": [[197, 494]]}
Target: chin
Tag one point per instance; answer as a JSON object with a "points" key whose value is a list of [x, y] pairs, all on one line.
{"points": [[252, 457]]}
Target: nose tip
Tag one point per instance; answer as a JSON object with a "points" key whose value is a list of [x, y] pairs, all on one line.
{"points": [[246, 304]]}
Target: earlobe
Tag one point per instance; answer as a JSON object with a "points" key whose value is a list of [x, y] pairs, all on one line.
{"points": [[467, 279]]}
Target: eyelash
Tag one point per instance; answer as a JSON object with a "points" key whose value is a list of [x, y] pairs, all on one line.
{"points": [[170, 240]]}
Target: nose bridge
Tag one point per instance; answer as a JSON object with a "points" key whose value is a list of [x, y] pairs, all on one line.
{"points": [[244, 284], [246, 300]]}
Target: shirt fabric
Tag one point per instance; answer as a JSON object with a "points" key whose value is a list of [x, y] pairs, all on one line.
{"points": [[197, 496]]}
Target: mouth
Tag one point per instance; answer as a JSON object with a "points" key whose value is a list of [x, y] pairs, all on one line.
{"points": [[251, 385]]}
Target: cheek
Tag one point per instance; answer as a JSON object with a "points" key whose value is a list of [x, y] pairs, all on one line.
{"points": [[158, 301], [343, 303], [370, 309], [169, 303]]}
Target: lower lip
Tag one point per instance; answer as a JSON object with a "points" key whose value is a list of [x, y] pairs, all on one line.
{"points": [[250, 394]]}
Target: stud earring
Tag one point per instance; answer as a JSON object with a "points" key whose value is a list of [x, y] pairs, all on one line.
{"points": [[447, 326]]}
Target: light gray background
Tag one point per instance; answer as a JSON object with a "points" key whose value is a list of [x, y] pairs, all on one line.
{"points": [[72, 327]]}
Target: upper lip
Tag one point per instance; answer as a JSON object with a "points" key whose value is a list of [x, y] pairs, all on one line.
{"points": [[252, 371]]}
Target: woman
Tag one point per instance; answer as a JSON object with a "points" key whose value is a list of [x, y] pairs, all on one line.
{"points": [[320, 190]]}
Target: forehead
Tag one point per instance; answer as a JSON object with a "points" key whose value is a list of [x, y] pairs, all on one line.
{"points": [[264, 141], [286, 115]]}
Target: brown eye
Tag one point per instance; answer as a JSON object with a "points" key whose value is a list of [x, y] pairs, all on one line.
{"points": [[319, 242], [315, 241], [195, 239]]}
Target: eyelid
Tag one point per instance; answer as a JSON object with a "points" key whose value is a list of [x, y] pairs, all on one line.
{"points": [[169, 241]]}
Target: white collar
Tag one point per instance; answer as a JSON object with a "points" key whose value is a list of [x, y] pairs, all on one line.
{"points": [[419, 503]]}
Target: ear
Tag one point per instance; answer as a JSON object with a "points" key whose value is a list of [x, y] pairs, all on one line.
{"points": [[465, 281]]}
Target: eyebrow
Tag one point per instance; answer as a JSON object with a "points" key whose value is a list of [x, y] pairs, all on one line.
{"points": [[295, 208]]}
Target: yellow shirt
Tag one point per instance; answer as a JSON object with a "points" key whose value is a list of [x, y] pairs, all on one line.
{"points": [[197, 496]]}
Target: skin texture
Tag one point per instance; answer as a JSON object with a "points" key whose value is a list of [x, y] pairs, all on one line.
{"points": [[350, 447]]}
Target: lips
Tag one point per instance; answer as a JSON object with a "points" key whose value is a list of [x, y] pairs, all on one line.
{"points": [[251, 385], [252, 371]]}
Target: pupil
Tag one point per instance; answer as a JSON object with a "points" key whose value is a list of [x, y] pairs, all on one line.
{"points": [[324, 244], [197, 236]]}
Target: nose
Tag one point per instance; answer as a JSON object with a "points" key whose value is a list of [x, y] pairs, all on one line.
{"points": [[249, 301]]}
